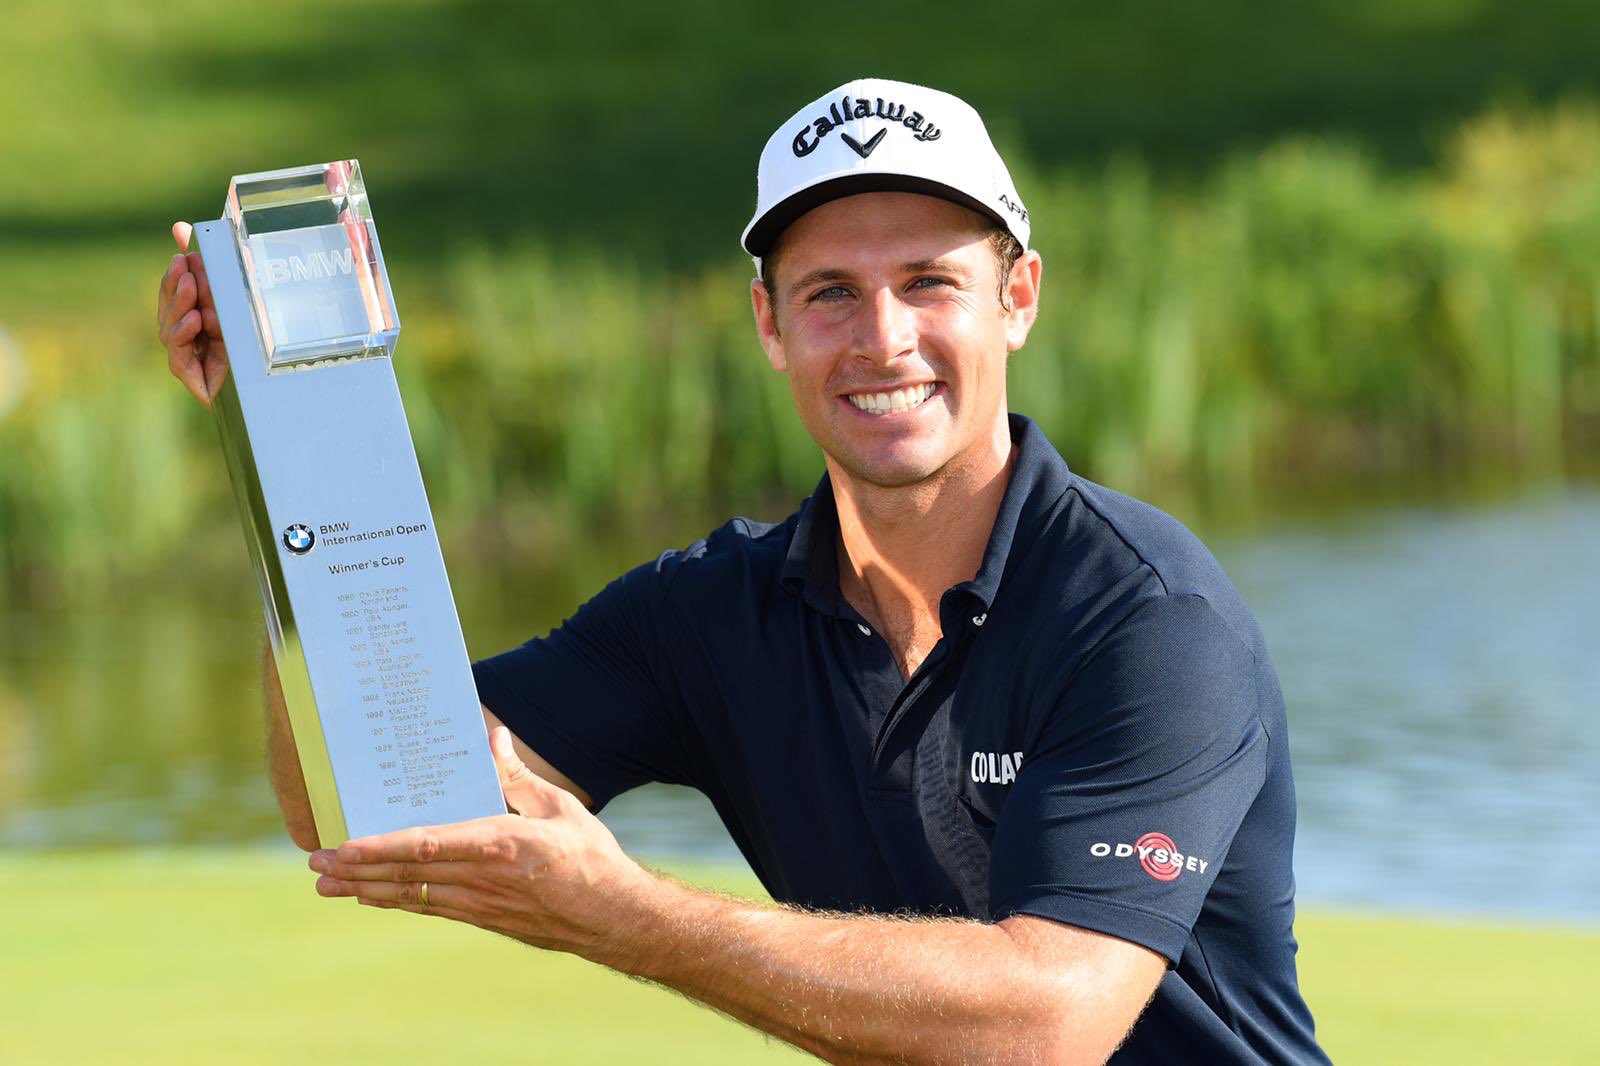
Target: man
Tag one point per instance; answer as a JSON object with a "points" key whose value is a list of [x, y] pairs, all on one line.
{"points": [[1010, 741]]}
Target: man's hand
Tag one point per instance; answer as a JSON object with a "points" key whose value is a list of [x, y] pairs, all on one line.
{"points": [[186, 320], [551, 875], [849, 988]]}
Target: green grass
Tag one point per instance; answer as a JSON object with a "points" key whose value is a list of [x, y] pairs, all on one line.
{"points": [[206, 956], [1388, 989], [230, 957]]}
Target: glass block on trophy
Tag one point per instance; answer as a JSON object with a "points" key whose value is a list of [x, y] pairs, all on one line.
{"points": [[313, 267]]}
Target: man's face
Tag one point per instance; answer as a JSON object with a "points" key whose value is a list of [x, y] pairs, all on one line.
{"points": [[888, 321]]}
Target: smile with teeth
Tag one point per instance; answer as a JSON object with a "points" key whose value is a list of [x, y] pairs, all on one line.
{"points": [[883, 403]]}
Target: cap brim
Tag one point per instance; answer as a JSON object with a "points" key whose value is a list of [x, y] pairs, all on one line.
{"points": [[764, 231]]}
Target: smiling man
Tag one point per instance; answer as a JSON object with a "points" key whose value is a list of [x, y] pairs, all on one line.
{"points": [[1008, 743]]}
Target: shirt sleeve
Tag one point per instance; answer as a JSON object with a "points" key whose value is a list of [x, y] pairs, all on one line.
{"points": [[587, 697], [1124, 809]]}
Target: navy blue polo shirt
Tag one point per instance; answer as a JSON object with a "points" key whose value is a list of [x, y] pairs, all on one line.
{"points": [[1098, 738]]}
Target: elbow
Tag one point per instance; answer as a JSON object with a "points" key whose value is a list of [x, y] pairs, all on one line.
{"points": [[1048, 1020], [1060, 1048], [304, 839], [1051, 1040], [303, 831]]}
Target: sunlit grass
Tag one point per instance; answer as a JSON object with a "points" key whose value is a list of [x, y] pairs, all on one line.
{"points": [[207, 957], [199, 956]]}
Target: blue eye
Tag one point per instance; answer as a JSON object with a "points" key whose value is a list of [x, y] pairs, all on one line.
{"points": [[832, 292]]}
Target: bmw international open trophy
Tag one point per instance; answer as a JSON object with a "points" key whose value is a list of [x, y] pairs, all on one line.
{"points": [[369, 648]]}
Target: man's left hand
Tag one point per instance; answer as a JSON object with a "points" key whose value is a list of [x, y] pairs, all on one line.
{"points": [[550, 875]]}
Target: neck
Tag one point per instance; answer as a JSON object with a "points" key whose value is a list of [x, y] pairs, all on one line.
{"points": [[901, 548]]}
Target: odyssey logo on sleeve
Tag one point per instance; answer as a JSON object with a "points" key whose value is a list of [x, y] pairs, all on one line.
{"points": [[1158, 856]]}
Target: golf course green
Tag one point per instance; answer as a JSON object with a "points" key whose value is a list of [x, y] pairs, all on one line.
{"points": [[228, 956]]}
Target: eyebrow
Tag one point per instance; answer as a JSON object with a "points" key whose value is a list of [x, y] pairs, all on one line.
{"points": [[816, 276], [939, 265]]}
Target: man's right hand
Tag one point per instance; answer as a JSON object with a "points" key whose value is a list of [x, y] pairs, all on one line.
{"points": [[186, 320]]}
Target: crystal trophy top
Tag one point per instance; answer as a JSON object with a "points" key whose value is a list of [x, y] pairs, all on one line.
{"points": [[312, 265]]}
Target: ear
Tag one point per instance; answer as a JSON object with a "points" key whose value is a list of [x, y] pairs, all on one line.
{"points": [[1023, 288], [767, 325]]}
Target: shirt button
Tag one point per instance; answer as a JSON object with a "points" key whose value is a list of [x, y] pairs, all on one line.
{"points": [[979, 619], [865, 631]]}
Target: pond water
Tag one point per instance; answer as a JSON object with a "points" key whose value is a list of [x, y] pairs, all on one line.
{"points": [[1442, 667]]}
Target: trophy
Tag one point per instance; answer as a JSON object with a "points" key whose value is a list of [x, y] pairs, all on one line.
{"points": [[369, 649]]}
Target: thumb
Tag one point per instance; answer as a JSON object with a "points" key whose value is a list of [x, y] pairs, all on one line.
{"points": [[525, 790], [180, 233]]}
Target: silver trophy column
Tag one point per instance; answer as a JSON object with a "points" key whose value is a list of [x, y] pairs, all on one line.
{"points": [[368, 644]]}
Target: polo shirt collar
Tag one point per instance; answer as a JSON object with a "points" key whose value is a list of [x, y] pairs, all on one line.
{"points": [[811, 569], [1039, 478]]}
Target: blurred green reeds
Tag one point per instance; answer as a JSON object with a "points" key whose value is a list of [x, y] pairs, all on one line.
{"points": [[1300, 315]]}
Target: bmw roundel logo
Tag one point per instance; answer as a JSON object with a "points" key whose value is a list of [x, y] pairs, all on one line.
{"points": [[299, 539]]}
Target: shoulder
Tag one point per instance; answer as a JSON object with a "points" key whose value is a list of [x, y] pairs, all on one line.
{"points": [[1140, 540], [740, 559], [1111, 592], [737, 546], [1159, 611], [1081, 538], [1150, 536]]}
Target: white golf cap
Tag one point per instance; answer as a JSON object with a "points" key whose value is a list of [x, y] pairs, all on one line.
{"points": [[875, 135]]}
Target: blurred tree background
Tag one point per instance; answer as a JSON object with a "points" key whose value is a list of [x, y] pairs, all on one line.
{"points": [[1307, 265], [1292, 249]]}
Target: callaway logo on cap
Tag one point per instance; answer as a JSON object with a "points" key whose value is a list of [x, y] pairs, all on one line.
{"points": [[874, 135]]}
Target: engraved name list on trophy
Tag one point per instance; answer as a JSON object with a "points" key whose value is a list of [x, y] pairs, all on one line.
{"points": [[368, 645]]}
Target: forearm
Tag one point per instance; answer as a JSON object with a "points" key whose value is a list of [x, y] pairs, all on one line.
{"points": [[859, 989], [283, 759], [852, 989]]}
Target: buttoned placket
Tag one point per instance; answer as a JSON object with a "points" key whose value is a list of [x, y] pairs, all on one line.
{"points": [[905, 702]]}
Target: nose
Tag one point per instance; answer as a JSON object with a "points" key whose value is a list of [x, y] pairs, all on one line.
{"points": [[885, 328]]}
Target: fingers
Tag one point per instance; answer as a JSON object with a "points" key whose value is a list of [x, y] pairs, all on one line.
{"points": [[462, 842], [173, 296], [169, 283], [405, 893], [197, 267], [444, 900], [326, 862], [186, 321], [186, 340], [432, 912], [180, 336], [183, 285], [183, 298]]}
